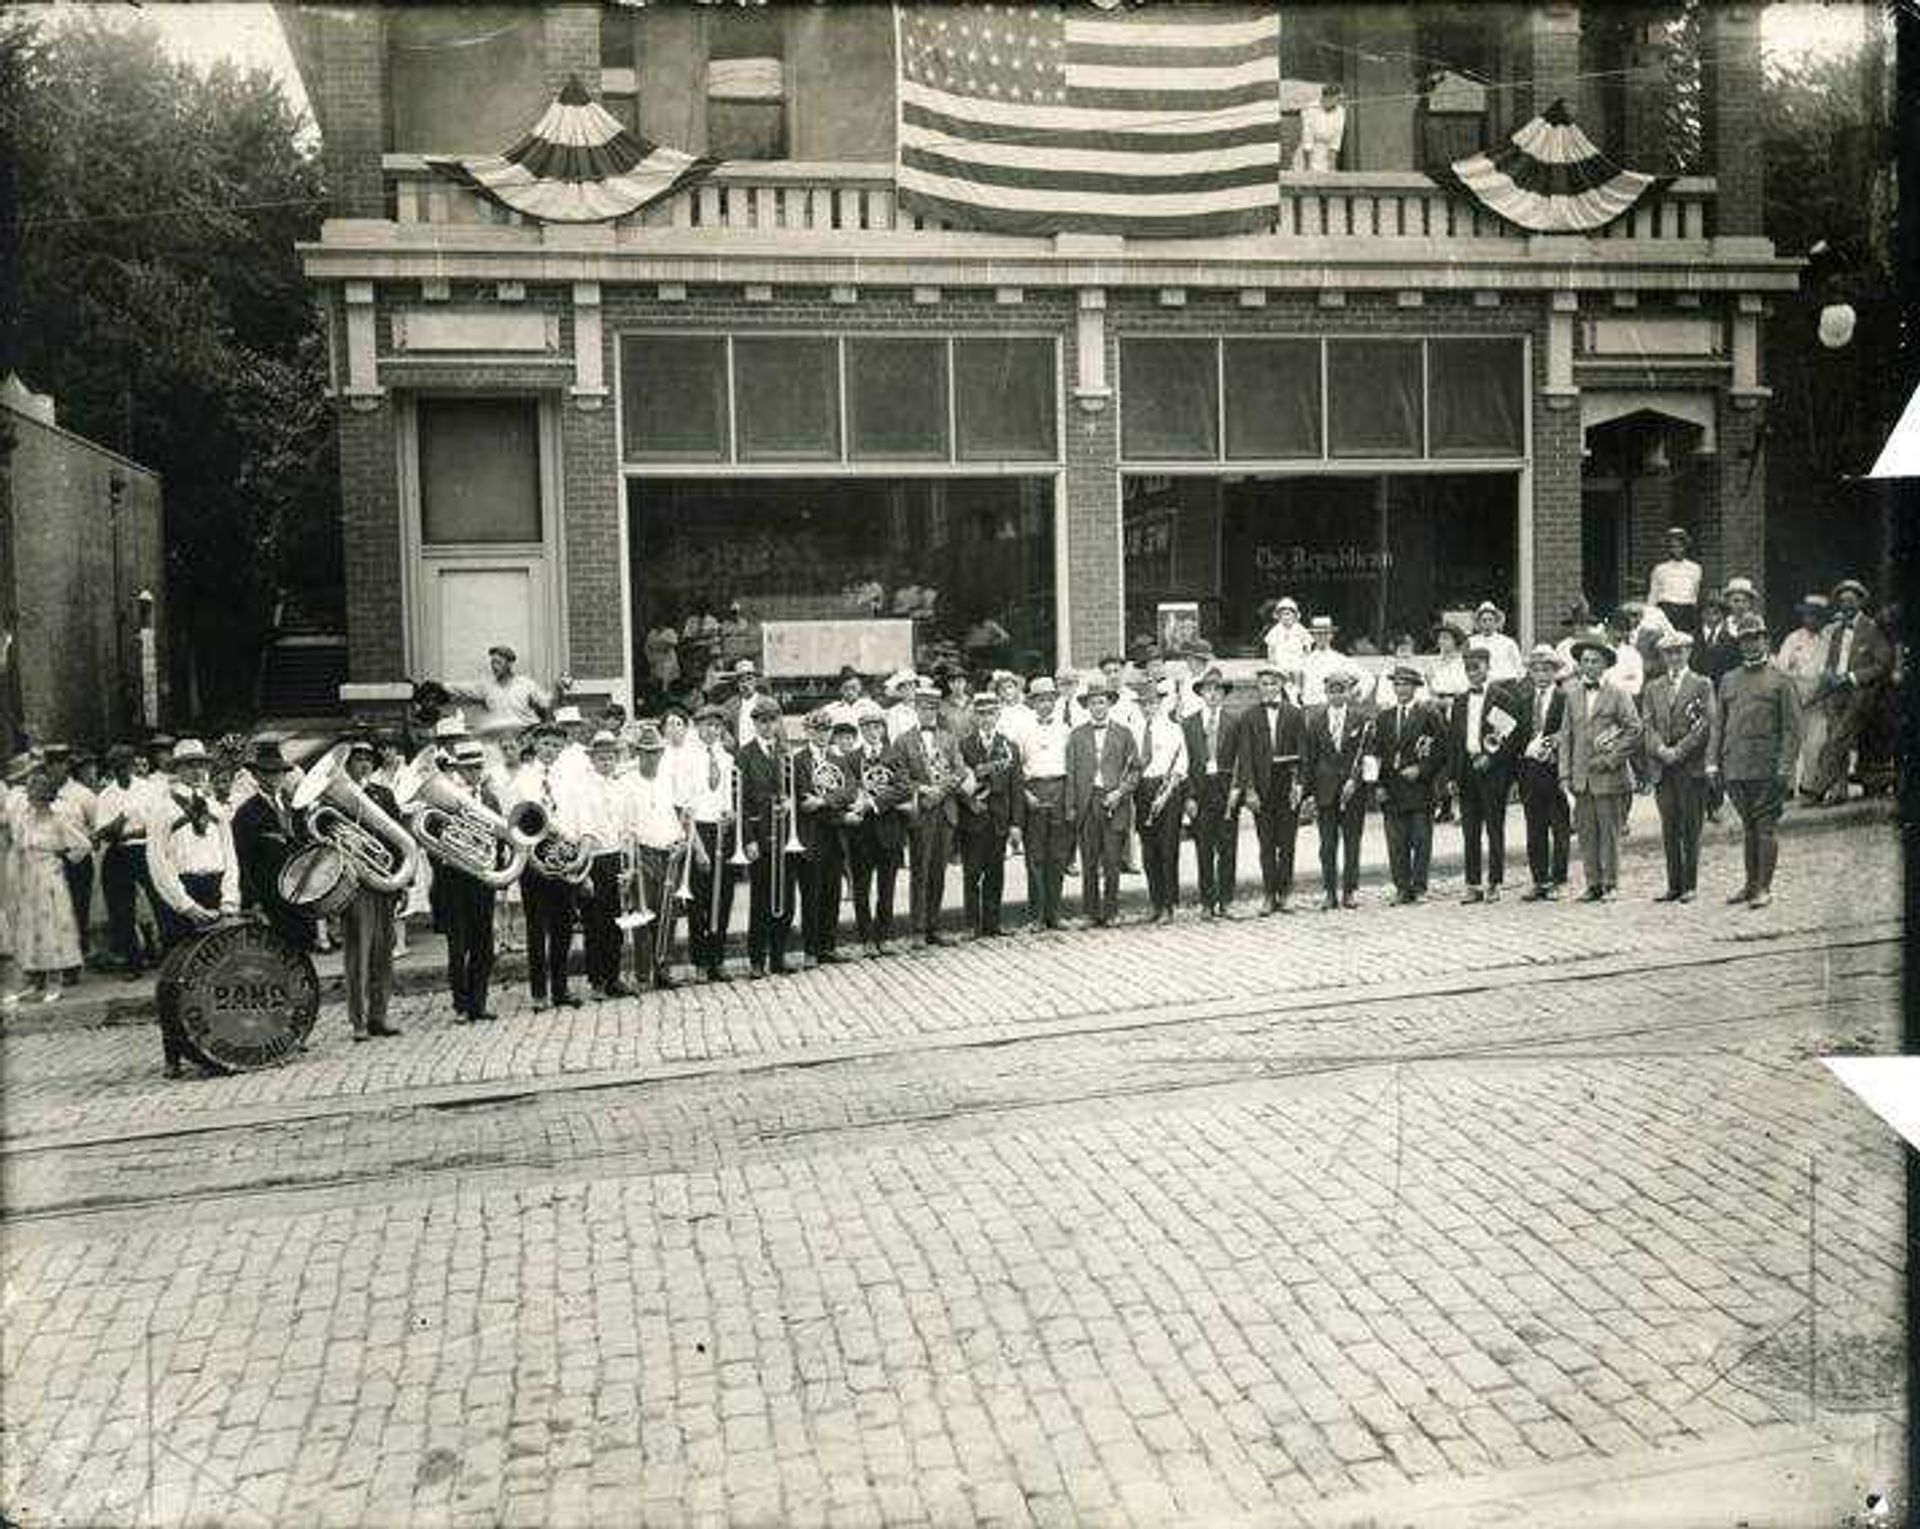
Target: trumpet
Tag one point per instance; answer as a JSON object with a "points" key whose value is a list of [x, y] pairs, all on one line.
{"points": [[463, 833], [378, 853], [634, 912]]}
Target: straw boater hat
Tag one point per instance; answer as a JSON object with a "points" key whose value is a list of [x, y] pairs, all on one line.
{"points": [[1042, 684], [900, 682], [926, 690], [1322, 624], [1853, 584], [1590, 643], [189, 751], [469, 752], [1742, 585], [765, 706], [603, 740], [1543, 653], [710, 713], [1680, 534], [451, 726], [1213, 677], [1676, 639], [1814, 601], [865, 711], [647, 739]]}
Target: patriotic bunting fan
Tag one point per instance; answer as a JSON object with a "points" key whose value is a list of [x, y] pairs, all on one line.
{"points": [[578, 165], [1550, 179]]}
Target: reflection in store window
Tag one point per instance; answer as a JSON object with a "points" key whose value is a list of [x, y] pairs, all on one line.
{"points": [[479, 470]]}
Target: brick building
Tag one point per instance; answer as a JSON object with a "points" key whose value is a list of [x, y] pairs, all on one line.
{"points": [[82, 584], [779, 389]]}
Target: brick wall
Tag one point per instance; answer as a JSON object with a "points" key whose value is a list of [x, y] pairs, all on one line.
{"points": [[1734, 104], [350, 104], [573, 45], [1733, 501], [591, 546], [370, 538]]}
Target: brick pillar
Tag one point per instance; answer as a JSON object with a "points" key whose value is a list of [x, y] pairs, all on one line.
{"points": [[1733, 504], [370, 543], [1096, 618], [1558, 579], [596, 578], [1650, 512], [1733, 110], [1643, 142], [572, 45], [1552, 55], [350, 104]]}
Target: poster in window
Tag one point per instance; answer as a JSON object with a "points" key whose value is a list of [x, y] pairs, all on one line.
{"points": [[1177, 623]]}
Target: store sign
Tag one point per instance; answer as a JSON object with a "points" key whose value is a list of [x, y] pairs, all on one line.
{"points": [[1333, 564], [795, 649]]}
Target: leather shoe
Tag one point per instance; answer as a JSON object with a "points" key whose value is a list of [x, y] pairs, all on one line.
{"points": [[1759, 899], [383, 1029], [1349, 900], [1594, 895], [1493, 894], [565, 1001], [618, 990], [485, 1014], [1329, 903], [1745, 894], [1685, 897], [1668, 896], [1474, 895]]}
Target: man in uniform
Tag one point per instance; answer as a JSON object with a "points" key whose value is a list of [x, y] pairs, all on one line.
{"points": [[928, 759], [988, 815], [1157, 799], [1759, 737], [1483, 741], [1213, 801], [1599, 734], [266, 830], [1410, 743], [466, 901], [709, 793], [823, 803], [876, 831], [1103, 767], [1681, 733], [1272, 737], [1333, 768], [1540, 705], [1045, 828], [550, 901], [774, 876], [650, 815]]}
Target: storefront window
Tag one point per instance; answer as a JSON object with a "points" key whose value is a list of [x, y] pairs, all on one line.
{"points": [[1381, 553], [968, 560], [897, 399], [1374, 398], [673, 395], [1004, 393], [1170, 399], [1476, 392], [1273, 398], [479, 470], [786, 398]]}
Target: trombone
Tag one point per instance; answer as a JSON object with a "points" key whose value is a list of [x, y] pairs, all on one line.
{"points": [[634, 912], [681, 897]]}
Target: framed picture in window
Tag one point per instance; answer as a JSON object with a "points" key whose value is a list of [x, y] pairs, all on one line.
{"points": [[1177, 623]]}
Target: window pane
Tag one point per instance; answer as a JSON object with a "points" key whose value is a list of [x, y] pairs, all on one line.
{"points": [[1004, 397], [673, 394], [1476, 392], [786, 398], [897, 396], [1273, 398], [1374, 403], [479, 470], [1169, 399]]}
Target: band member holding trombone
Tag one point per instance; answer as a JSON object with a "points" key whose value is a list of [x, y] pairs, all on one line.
{"points": [[1103, 767], [611, 873], [769, 802], [553, 882], [1157, 799], [712, 800], [928, 757], [661, 861], [989, 813], [876, 829]]}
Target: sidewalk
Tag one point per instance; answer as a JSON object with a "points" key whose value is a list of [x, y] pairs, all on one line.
{"points": [[104, 998]]}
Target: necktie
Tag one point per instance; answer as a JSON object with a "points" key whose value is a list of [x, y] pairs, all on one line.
{"points": [[1212, 756], [1336, 725], [1834, 640], [1100, 758], [546, 787], [713, 767], [1149, 763]]}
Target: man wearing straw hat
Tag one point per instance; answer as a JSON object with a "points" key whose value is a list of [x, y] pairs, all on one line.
{"points": [[1599, 734], [1855, 668]]}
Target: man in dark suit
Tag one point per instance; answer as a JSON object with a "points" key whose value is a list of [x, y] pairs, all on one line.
{"points": [[773, 875], [876, 830], [1856, 666], [987, 814], [1156, 799], [1269, 741], [1539, 704], [1103, 767], [927, 757], [1410, 743], [468, 902], [1483, 741], [1334, 745], [824, 788], [1718, 652], [266, 830], [1213, 803], [1599, 734], [1681, 735]]}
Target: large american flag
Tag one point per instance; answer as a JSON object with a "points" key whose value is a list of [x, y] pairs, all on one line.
{"points": [[1049, 118]]}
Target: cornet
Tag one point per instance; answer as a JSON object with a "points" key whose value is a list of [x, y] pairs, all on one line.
{"points": [[378, 852]]}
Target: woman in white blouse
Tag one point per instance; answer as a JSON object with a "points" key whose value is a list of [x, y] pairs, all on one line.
{"points": [[1674, 584]]}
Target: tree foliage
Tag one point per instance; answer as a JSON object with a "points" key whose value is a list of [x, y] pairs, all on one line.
{"points": [[150, 282]]}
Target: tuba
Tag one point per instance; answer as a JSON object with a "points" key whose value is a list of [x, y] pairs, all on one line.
{"points": [[378, 852], [463, 833]]}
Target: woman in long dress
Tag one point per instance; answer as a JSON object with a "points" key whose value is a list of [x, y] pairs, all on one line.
{"points": [[46, 939]]}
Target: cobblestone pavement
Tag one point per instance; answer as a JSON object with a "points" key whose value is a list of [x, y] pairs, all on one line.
{"points": [[1150, 1226]]}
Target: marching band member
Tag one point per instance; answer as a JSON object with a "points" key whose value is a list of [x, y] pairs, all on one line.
{"points": [[990, 813], [121, 813], [1483, 742], [1410, 742], [1599, 733], [823, 805], [1267, 772], [574, 765], [190, 855], [650, 816], [929, 759], [601, 817], [266, 830], [1213, 805], [708, 792], [508, 696], [1103, 767], [1540, 705], [1157, 799], [1682, 738], [876, 831], [1044, 825], [774, 877], [467, 901], [366, 925], [550, 902], [1333, 768]]}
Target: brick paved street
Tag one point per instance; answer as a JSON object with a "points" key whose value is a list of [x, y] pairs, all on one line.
{"points": [[1287, 1221]]}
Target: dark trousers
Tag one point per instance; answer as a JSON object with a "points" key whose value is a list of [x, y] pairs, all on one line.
{"points": [[1276, 822], [1549, 823], [550, 908], [983, 874], [599, 933], [1483, 816], [79, 876], [1409, 847], [467, 907], [1049, 846], [706, 932], [366, 943], [1341, 829], [1215, 841], [875, 867], [1159, 843], [1103, 848], [174, 927], [932, 843], [659, 873], [1682, 800], [1759, 803], [124, 880], [768, 929], [1851, 716], [824, 872]]}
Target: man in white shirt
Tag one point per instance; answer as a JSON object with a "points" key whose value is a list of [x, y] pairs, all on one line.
{"points": [[709, 798], [573, 765], [900, 713], [1197, 659], [190, 856], [1125, 710], [1674, 583], [1319, 661], [550, 900], [1504, 662], [1070, 710], [507, 695], [1047, 835], [1288, 641], [1157, 798], [602, 818], [121, 813]]}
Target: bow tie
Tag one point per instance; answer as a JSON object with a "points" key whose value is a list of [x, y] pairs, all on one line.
{"points": [[1592, 684], [194, 812], [1478, 690]]}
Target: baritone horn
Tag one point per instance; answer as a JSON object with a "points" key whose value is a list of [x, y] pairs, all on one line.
{"points": [[463, 833], [378, 852]]}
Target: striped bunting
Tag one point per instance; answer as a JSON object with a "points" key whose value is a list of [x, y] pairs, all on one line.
{"points": [[1550, 179], [578, 165], [1049, 119]]}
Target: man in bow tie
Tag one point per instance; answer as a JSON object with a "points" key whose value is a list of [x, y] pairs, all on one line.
{"points": [[1267, 769], [1599, 734], [1483, 741], [190, 856], [1410, 745]]}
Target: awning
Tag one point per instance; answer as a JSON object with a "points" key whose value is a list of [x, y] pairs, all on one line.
{"points": [[1550, 179]]}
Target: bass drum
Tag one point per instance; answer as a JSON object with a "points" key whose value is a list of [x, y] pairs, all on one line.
{"points": [[241, 997], [317, 880]]}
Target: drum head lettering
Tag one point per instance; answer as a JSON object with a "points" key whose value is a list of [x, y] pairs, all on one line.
{"points": [[244, 998]]}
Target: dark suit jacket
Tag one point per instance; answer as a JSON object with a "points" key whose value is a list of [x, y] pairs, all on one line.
{"points": [[1525, 697], [1399, 749], [886, 814], [1717, 654], [1226, 746], [1871, 659], [1324, 768], [261, 844], [1121, 768], [1500, 760], [1255, 745], [759, 792], [1584, 764], [817, 822], [914, 754], [996, 804], [1664, 716]]}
